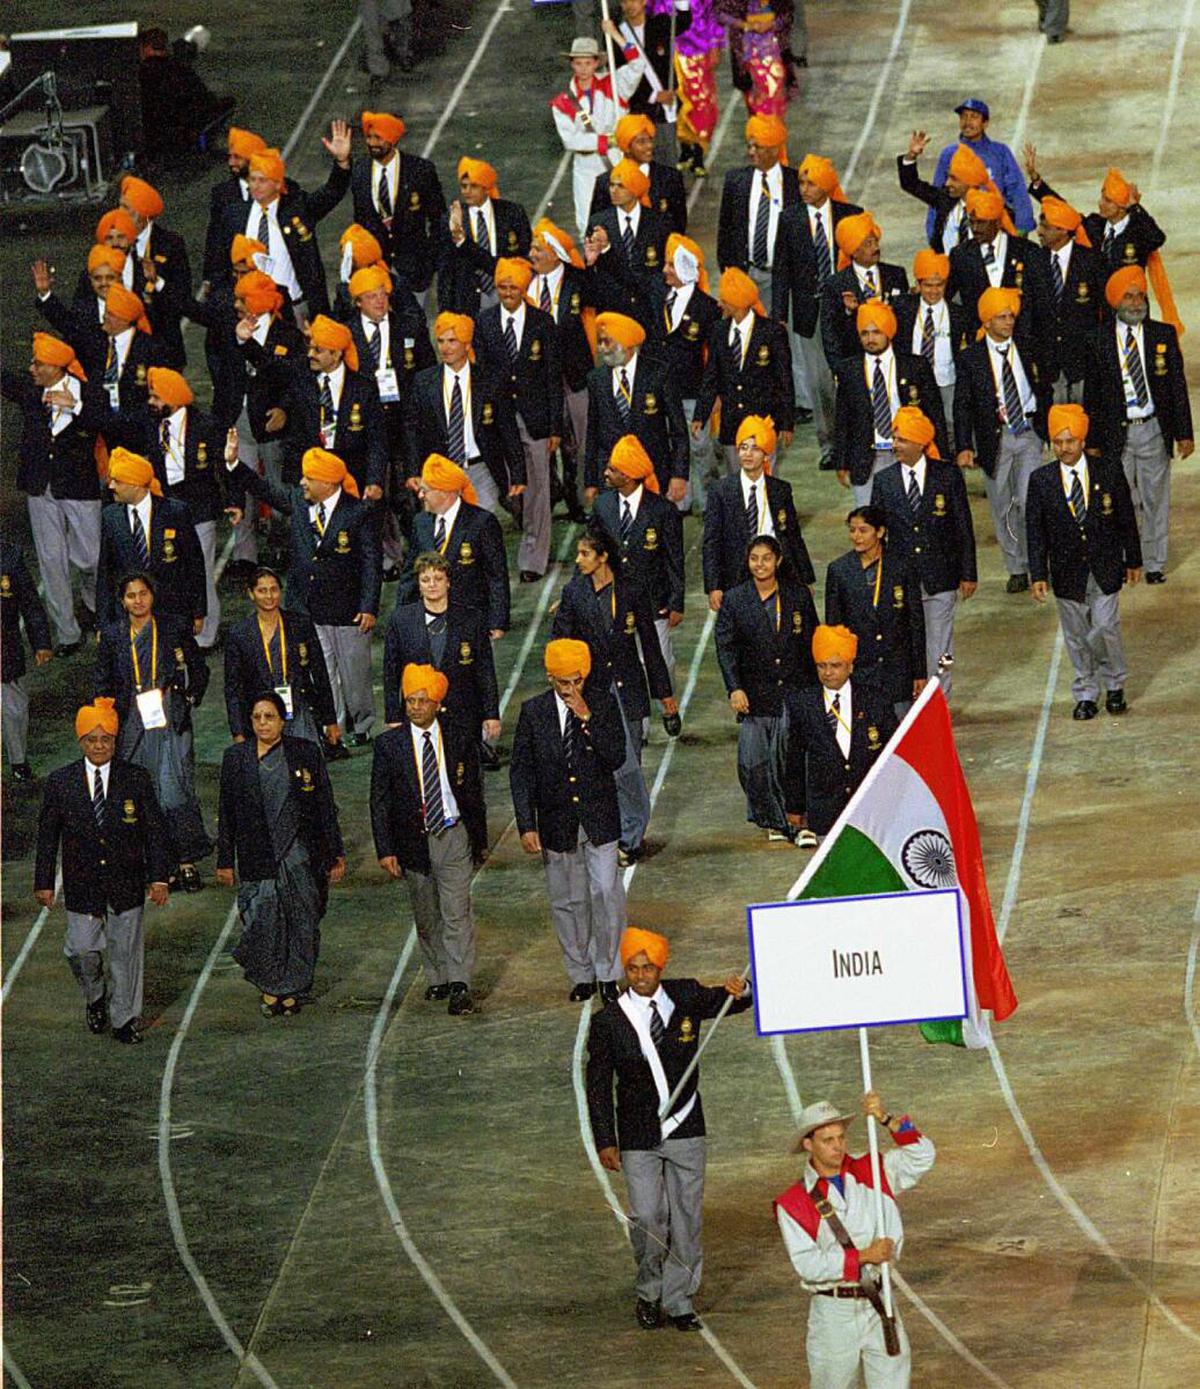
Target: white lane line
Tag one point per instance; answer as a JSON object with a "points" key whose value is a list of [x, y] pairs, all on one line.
{"points": [[334, 63], [1189, 978], [468, 72], [885, 73], [14, 1371], [559, 174], [535, 622], [1160, 149], [1031, 77], [178, 1234]]}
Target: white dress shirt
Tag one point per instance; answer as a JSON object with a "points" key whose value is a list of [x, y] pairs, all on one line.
{"points": [[628, 217], [886, 362], [633, 501], [60, 415], [1067, 476], [463, 377], [385, 337], [943, 353], [997, 351], [434, 732], [956, 227], [683, 297], [143, 509], [174, 453], [553, 282], [389, 171], [1133, 411], [483, 225], [100, 773], [739, 335], [282, 270], [995, 271], [775, 188], [330, 503], [630, 368], [1063, 256], [824, 215], [517, 320], [766, 525], [917, 470], [845, 711], [337, 383]]}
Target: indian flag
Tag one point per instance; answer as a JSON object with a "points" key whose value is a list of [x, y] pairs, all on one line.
{"points": [[910, 827]]}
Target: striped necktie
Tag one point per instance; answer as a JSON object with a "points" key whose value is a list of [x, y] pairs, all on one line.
{"points": [[510, 342], [375, 346], [821, 246], [626, 524], [319, 520], [989, 256], [1133, 365], [624, 398], [385, 195], [545, 303], [668, 308], [431, 779], [456, 433], [657, 1029], [164, 437], [627, 237], [881, 405], [112, 371], [141, 547], [571, 739], [833, 714], [1078, 500], [328, 413], [869, 289], [264, 229], [914, 492], [99, 802], [760, 250], [1013, 408], [1056, 276], [439, 533], [752, 512], [928, 337]]}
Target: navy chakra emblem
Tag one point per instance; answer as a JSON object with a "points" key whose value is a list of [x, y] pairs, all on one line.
{"points": [[928, 859]]}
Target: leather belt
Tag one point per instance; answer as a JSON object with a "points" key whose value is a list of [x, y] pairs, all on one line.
{"points": [[842, 1290]]}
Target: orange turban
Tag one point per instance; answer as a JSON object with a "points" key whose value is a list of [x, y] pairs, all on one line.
{"points": [[423, 680], [244, 143], [876, 314], [368, 278], [994, 301], [1128, 277], [968, 168], [116, 220], [688, 259], [930, 265], [323, 466], [140, 196], [629, 175], [481, 172], [243, 249], [106, 255], [387, 127], [366, 249], [767, 132], [1116, 190], [631, 460], [989, 205], [438, 472], [629, 128], [125, 305], [559, 241], [1070, 417], [635, 941], [259, 293], [125, 466], [760, 428], [834, 644], [912, 424], [739, 291], [627, 331], [170, 387], [819, 170], [101, 714], [566, 657], [851, 232], [513, 270], [1065, 218], [269, 163], [461, 325], [53, 352], [334, 337]]}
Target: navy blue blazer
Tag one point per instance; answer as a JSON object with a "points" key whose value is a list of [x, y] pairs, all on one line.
{"points": [[1104, 391], [839, 330], [474, 550], [1027, 268], [727, 538], [247, 674], [656, 418], [412, 242], [176, 561], [822, 789], [977, 423], [795, 289], [1062, 550], [854, 411], [535, 379], [668, 196], [545, 798], [632, 284], [685, 347], [359, 437], [467, 663], [203, 450], [733, 219], [19, 602], [890, 632], [493, 423], [652, 555], [769, 663], [459, 289], [1141, 237], [64, 462], [938, 543], [760, 385], [181, 667]]}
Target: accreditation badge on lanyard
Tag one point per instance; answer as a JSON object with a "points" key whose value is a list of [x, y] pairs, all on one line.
{"points": [[285, 693], [389, 386], [328, 431], [151, 709]]}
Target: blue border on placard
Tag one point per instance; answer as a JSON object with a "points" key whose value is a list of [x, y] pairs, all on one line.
{"points": [[861, 897]]}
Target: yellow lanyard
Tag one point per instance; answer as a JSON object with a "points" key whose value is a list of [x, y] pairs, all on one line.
{"points": [[417, 760], [878, 581], [137, 669], [837, 713], [449, 533], [267, 648], [777, 612]]}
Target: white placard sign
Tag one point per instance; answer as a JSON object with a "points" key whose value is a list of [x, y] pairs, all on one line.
{"points": [[857, 961]]}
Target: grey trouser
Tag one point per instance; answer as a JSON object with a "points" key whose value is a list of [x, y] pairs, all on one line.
{"points": [[1055, 15], [347, 652], [1019, 455], [632, 796], [251, 453], [121, 933], [702, 462], [947, 394], [441, 907], [587, 905], [376, 16], [666, 1198], [14, 712], [206, 533], [65, 533], [576, 405], [1068, 392], [938, 610], [666, 644], [485, 486], [1092, 633], [1148, 471], [884, 458], [843, 1331], [809, 361], [534, 552]]}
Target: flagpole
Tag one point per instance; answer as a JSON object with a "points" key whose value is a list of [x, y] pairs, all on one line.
{"points": [[876, 1177], [608, 48], [669, 1103]]}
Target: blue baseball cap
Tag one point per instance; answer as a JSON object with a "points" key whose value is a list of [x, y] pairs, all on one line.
{"points": [[974, 103]]}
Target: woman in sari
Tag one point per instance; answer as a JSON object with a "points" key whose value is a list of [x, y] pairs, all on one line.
{"points": [[278, 823], [274, 649], [697, 53], [764, 648], [760, 52], [878, 597], [154, 671]]}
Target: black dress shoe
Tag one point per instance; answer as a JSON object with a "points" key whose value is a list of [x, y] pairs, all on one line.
{"points": [[190, 879], [437, 993], [67, 648], [335, 752], [673, 725], [529, 577], [97, 1015], [489, 758], [22, 771], [582, 992], [1155, 576], [128, 1035], [649, 1314], [391, 575], [1085, 709], [610, 991], [1017, 583], [1114, 702], [688, 1322], [461, 1002], [358, 740]]}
